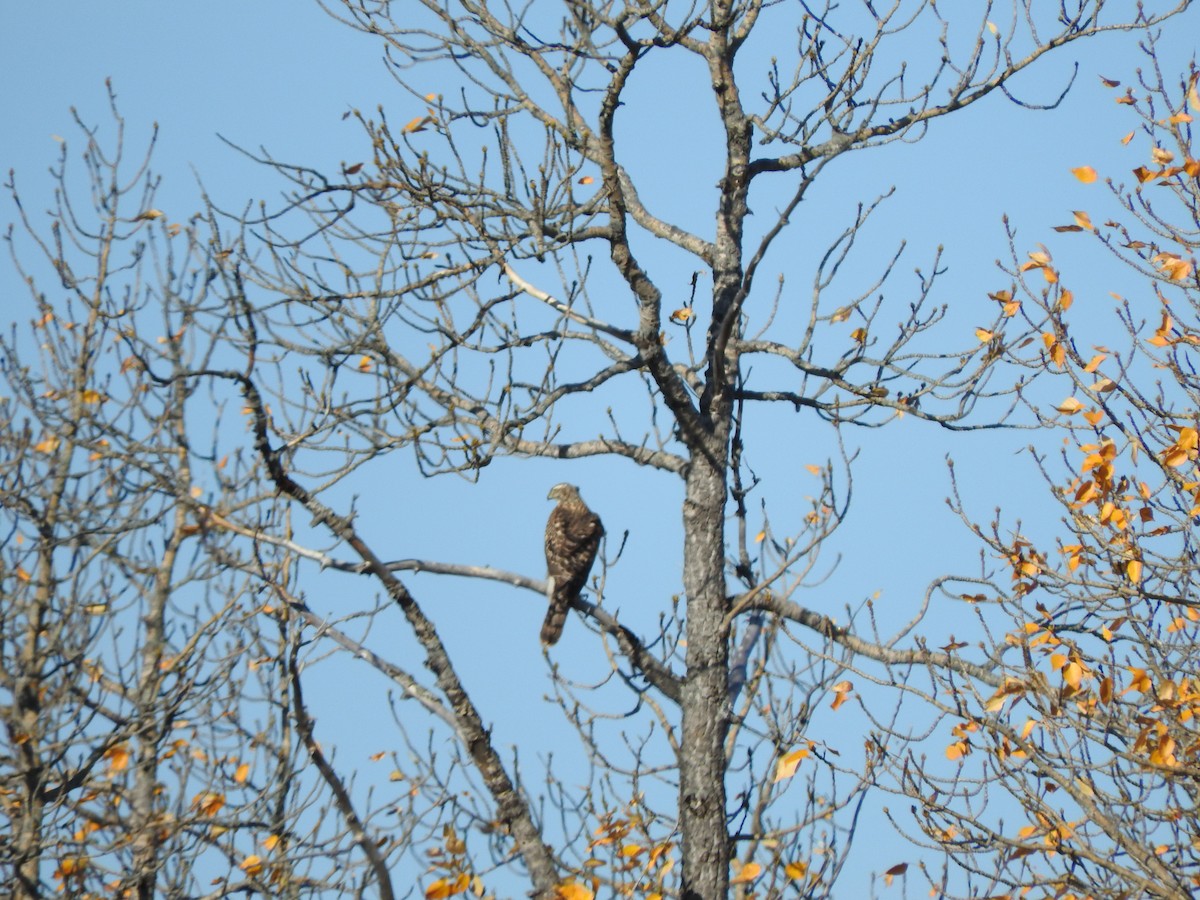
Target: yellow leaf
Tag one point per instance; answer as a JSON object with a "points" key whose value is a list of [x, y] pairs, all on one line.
{"points": [[1086, 174], [984, 335], [814, 470], [1193, 96], [1073, 674], [748, 873], [271, 841], [993, 29], [242, 773], [251, 865], [49, 445], [1133, 569], [787, 765], [795, 870], [760, 537], [1082, 219], [150, 214], [570, 890], [1127, 138], [859, 335], [364, 364], [1070, 406], [90, 396], [70, 866], [432, 98], [682, 315]]}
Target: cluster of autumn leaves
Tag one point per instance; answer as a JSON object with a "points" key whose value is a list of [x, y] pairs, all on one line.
{"points": [[1112, 509]]}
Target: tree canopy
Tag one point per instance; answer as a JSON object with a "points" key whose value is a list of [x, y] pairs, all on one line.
{"points": [[196, 419]]}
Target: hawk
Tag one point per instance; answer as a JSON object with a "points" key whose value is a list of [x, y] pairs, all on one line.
{"points": [[573, 535]]}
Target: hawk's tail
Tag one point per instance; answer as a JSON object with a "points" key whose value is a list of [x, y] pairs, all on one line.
{"points": [[556, 618]]}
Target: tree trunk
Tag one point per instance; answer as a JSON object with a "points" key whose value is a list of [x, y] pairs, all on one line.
{"points": [[705, 839]]}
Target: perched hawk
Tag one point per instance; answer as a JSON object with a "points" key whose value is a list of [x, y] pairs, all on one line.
{"points": [[573, 535]]}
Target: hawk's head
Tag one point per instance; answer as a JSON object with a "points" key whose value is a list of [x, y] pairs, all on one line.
{"points": [[563, 491]]}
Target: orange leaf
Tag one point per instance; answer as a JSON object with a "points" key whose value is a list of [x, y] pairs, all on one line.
{"points": [[586, 179], [841, 693], [118, 758], [859, 334], [898, 869], [208, 802], [242, 773], [1086, 174]]}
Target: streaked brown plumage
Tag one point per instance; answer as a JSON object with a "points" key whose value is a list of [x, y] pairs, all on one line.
{"points": [[573, 535]]}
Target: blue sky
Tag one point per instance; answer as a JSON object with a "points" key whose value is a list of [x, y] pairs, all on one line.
{"points": [[281, 74]]}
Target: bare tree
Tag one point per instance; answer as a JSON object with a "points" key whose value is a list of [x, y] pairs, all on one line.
{"points": [[137, 705], [1076, 774], [480, 287]]}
